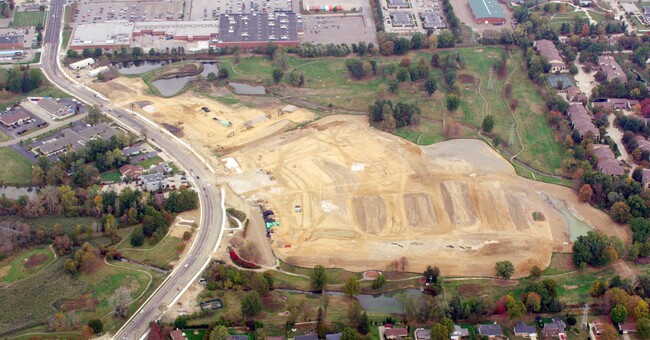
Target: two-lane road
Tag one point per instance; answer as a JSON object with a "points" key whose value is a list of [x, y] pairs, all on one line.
{"points": [[211, 217]]}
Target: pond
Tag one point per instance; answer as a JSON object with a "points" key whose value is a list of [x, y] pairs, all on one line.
{"points": [[245, 89], [576, 226], [378, 303], [139, 66], [170, 87]]}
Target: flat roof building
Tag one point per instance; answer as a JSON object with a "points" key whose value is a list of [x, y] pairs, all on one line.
{"points": [[10, 42], [15, 117], [402, 19], [432, 20], [487, 12], [178, 30], [398, 4], [258, 29], [102, 35]]}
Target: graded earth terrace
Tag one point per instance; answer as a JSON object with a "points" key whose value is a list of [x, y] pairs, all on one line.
{"points": [[368, 198]]}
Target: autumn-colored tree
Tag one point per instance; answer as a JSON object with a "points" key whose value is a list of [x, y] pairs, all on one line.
{"points": [[641, 310], [585, 30], [533, 302], [620, 212], [515, 307], [585, 193]]}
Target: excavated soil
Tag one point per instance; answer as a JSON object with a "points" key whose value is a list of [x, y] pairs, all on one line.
{"points": [[368, 198]]}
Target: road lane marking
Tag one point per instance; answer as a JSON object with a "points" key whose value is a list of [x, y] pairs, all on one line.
{"points": [[178, 296]]}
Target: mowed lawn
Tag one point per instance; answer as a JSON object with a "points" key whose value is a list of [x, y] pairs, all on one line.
{"points": [[28, 19], [159, 255], [48, 223], [111, 176], [15, 168], [18, 268]]}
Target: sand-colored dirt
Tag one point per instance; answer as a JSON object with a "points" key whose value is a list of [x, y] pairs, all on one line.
{"points": [[368, 198], [198, 127]]}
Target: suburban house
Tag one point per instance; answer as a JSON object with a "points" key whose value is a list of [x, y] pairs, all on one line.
{"points": [[571, 93], [616, 104], [642, 143], [581, 120], [459, 333], [177, 335], [396, 333], [422, 334], [492, 331], [523, 330], [607, 162], [335, 336], [597, 327], [611, 68], [555, 328], [627, 328], [154, 182], [306, 337], [162, 167], [131, 151], [547, 49], [237, 337], [130, 171]]}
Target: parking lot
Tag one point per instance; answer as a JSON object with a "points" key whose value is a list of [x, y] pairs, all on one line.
{"points": [[19, 129], [210, 9], [94, 12], [350, 29]]}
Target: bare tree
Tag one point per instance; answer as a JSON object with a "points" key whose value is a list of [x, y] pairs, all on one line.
{"points": [[120, 301]]}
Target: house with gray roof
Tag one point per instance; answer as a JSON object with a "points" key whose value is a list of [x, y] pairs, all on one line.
{"points": [[492, 331], [523, 330]]}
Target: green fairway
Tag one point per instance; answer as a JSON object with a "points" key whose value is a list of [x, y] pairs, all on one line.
{"points": [[21, 19], [25, 264], [15, 168]]}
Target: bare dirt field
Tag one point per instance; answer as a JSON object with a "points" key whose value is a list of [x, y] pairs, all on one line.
{"points": [[368, 198], [199, 127]]}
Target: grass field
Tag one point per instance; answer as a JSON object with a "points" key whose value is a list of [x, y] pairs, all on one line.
{"points": [[151, 161], [111, 176], [561, 263], [4, 137], [28, 19], [48, 222], [327, 82], [15, 168], [159, 255], [65, 38], [16, 269]]}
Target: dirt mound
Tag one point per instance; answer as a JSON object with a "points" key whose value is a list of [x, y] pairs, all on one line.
{"points": [[419, 210], [466, 79], [370, 213], [85, 303], [35, 260]]}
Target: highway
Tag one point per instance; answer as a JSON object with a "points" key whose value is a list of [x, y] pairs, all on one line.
{"points": [[211, 218]]}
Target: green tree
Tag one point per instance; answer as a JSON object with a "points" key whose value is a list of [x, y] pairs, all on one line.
{"points": [[364, 324], [643, 328], [136, 52], [137, 238], [504, 269], [535, 272], [180, 322], [277, 75], [72, 54], [618, 314], [219, 333], [446, 39], [350, 333], [453, 102], [96, 325], [431, 86], [439, 332], [379, 282], [152, 52], [640, 229], [417, 41], [259, 284], [488, 123], [351, 287], [251, 304], [318, 278]]}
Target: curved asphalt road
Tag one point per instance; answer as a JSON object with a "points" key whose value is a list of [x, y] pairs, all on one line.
{"points": [[208, 235]]}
